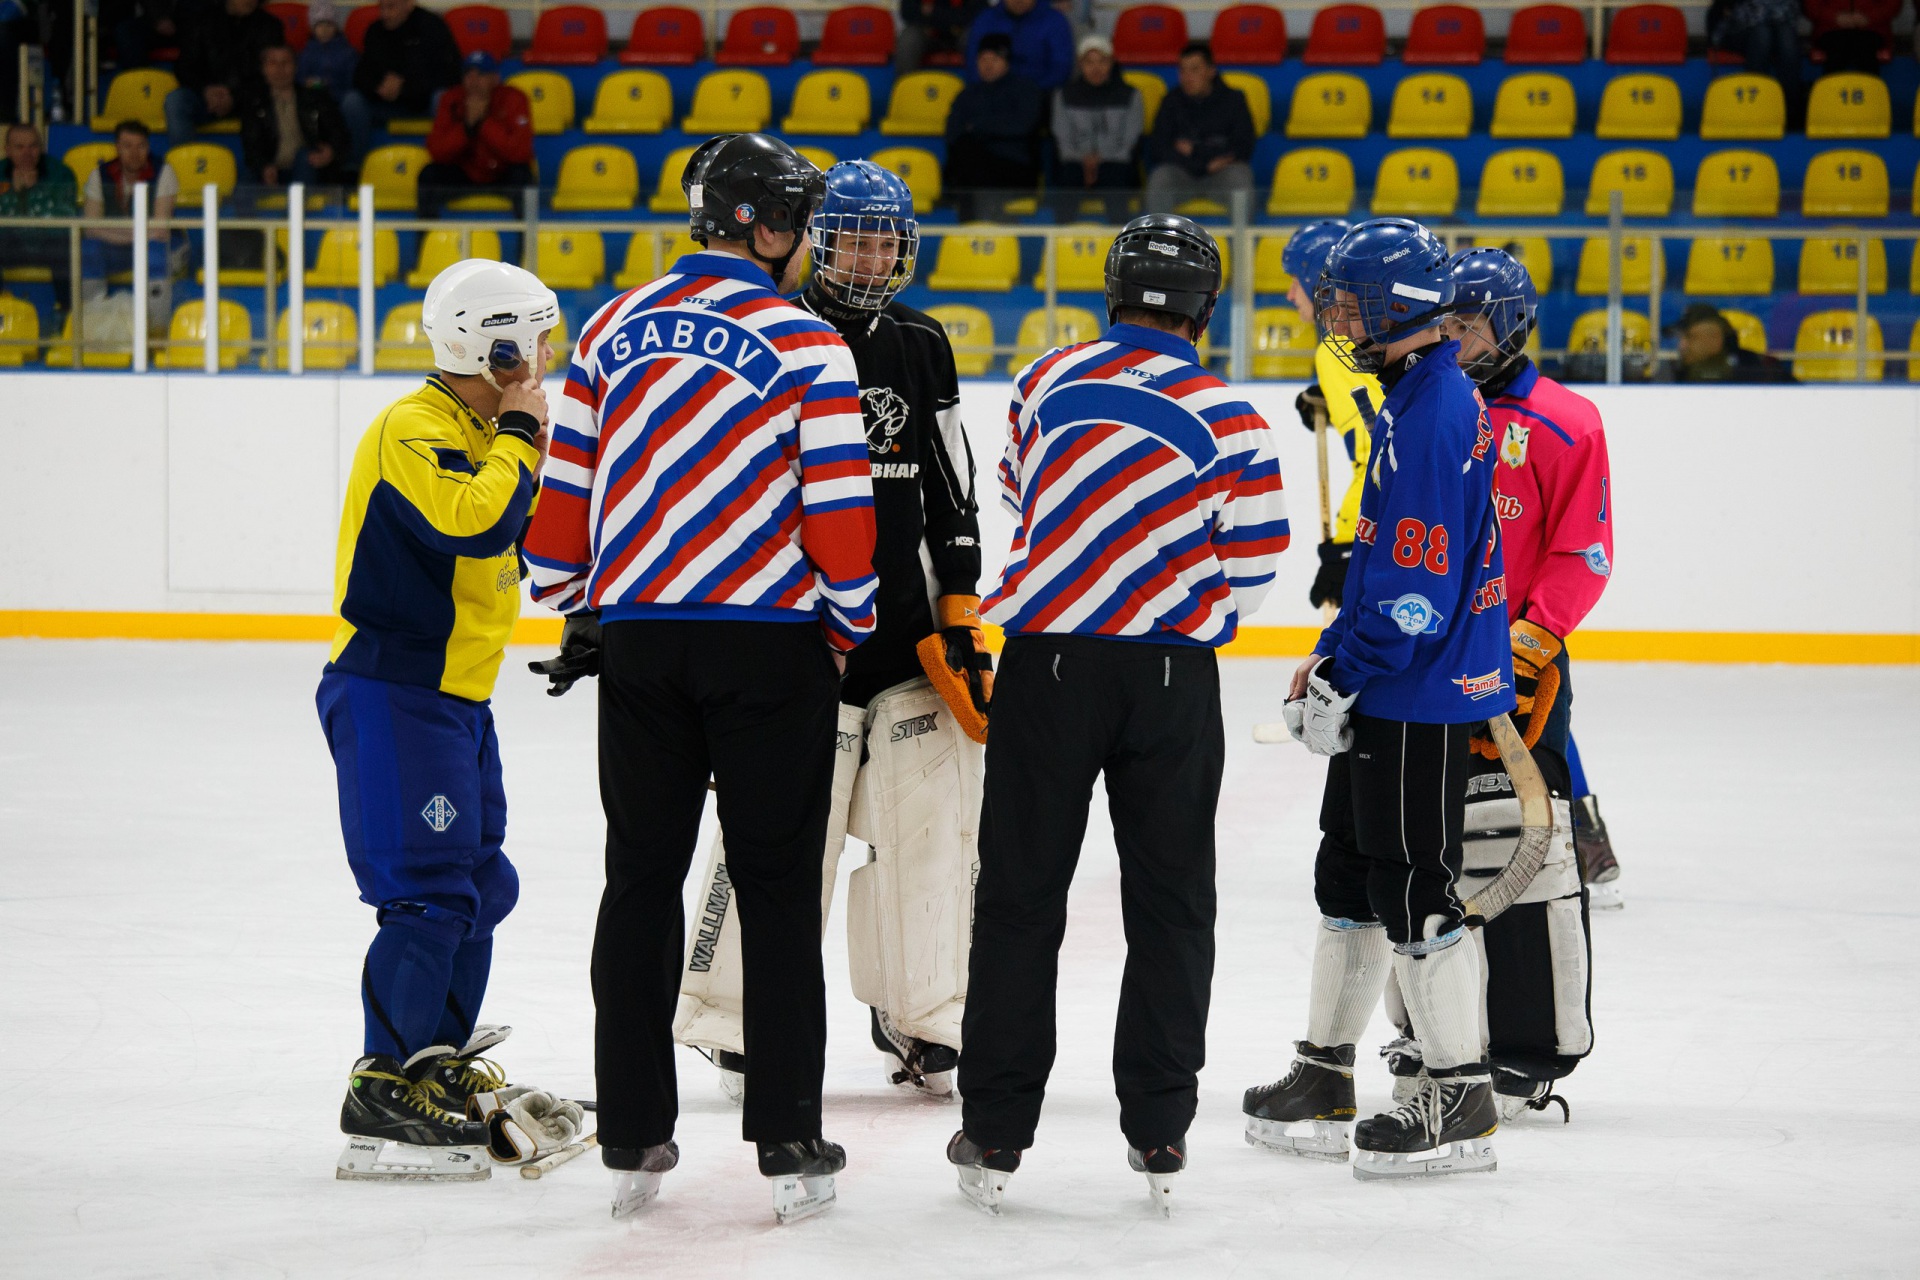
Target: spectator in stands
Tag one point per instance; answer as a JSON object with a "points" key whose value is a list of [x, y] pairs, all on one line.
{"points": [[1097, 122], [1039, 34], [1765, 34], [219, 67], [109, 194], [293, 132], [993, 130], [930, 27], [482, 139], [409, 58], [139, 27], [328, 60], [1853, 35], [1709, 350], [34, 186], [1203, 139]]}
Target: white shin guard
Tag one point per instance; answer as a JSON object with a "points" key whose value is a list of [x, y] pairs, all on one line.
{"points": [[1442, 991], [1349, 970]]}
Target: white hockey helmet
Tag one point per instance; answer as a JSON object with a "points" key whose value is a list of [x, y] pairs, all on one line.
{"points": [[481, 315]]}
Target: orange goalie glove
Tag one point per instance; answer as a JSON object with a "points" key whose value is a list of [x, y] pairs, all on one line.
{"points": [[1536, 683], [957, 663]]}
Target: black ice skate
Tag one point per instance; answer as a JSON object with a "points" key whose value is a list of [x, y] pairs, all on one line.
{"points": [[637, 1172], [983, 1171], [1599, 869], [397, 1128], [464, 1074], [802, 1175], [1446, 1127], [1514, 1095], [733, 1075], [1162, 1165], [922, 1066], [1308, 1112]]}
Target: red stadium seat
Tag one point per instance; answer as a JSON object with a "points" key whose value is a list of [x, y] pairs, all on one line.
{"points": [[1249, 35], [666, 37], [570, 35], [481, 26], [293, 20], [760, 37], [1547, 33], [1446, 35], [358, 20], [1346, 35], [1648, 35], [1149, 35], [858, 36]]}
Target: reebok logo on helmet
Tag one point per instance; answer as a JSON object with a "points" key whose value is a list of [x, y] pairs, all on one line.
{"points": [[1160, 246], [1398, 254]]}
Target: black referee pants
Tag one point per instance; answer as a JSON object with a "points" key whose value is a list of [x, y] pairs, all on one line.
{"points": [[753, 705], [1065, 710]]}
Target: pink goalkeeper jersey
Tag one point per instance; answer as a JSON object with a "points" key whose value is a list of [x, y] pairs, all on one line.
{"points": [[1554, 499]]}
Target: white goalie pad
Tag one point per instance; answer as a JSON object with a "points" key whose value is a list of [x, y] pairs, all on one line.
{"points": [[910, 909], [709, 1016], [1492, 832]]}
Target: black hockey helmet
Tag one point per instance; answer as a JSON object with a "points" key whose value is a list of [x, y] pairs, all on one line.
{"points": [[691, 184], [755, 180], [1164, 262]]}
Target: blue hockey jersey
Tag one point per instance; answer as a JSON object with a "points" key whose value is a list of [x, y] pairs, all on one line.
{"points": [[1422, 631]]}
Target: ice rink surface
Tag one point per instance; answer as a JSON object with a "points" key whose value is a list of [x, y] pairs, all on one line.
{"points": [[181, 945]]}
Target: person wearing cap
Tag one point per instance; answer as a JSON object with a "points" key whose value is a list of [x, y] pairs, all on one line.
{"points": [[406, 59], [1709, 350], [1202, 138], [993, 129], [328, 60], [482, 138], [1040, 37], [293, 132], [1098, 119]]}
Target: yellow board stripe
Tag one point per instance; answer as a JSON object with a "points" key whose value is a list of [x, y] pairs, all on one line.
{"points": [[1253, 642]]}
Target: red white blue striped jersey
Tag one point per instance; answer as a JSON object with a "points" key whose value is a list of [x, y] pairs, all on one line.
{"points": [[1148, 495], [709, 461]]}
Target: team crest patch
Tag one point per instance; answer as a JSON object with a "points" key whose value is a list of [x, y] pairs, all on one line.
{"points": [[1413, 614], [1596, 558], [439, 813], [743, 213], [1513, 449], [1478, 687], [886, 414]]}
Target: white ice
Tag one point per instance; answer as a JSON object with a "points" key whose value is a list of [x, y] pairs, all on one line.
{"points": [[181, 948]]}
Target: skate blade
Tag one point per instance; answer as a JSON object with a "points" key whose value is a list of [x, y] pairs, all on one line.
{"points": [[795, 1197], [984, 1188], [1308, 1139], [734, 1085], [1160, 1190], [383, 1160], [1471, 1155], [634, 1190], [1605, 897]]}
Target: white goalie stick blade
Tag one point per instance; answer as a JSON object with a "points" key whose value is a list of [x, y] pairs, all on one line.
{"points": [[1474, 1155], [1310, 1139], [795, 1197], [633, 1190], [547, 1164], [381, 1160], [984, 1188], [1270, 733], [1160, 1189], [1605, 897]]}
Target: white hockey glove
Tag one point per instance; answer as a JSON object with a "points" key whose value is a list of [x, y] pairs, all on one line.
{"points": [[525, 1124], [1324, 715], [1294, 713]]}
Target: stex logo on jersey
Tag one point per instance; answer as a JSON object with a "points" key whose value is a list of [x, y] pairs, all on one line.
{"points": [[1413, 614], [915, 727], [1478, 687], [710, 338], [1513, 449]]}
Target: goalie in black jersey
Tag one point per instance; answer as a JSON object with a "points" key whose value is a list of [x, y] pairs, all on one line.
{"points": [[914, 703]]}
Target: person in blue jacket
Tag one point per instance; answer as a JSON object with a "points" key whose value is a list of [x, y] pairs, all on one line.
{"points": [[1041, 35], [1418, 656]]}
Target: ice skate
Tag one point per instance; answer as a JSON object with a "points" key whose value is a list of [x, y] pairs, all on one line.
{"points": [[1515, 1095], [1405, 1065], [637, 1172], [1599, 869], [1161, 1165], [984, 1171], [802, 1176], [397, 1129], [1446, 1127], [1309, 1111], [733, 1075], [920, 1066], [465, 1075]]}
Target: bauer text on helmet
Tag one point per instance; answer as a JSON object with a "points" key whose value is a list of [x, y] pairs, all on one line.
{"points": [[481, 316], [1164, 262]]}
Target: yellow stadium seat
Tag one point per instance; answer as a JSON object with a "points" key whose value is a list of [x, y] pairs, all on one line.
{"points": [[569, 259], [187, 336], [1083, 260], [1748, 331], [336, 263], [1730, 264], [140, 94], [631, 102], [1913, 344], [729, 102], [1521, 182], [597, 176], [196, 164], [1589, 337], [254, 277], [972, 261], [402, 346], [480, 203], [667, 196], [1071, 325], [1737, 184], [1913, 274], [1416, 182], [1824, 351], [19, 332], [1638, 257], [821, 158], [1431, 104], [1845, 184], [1312, 182], [1639, 106], [1534, 104], [60, 354], [642, 261], [549, 97], [918, 107], [1269, 271], [440, 249], [1535, 253], [1643, 178], [970, 330], [831, 102], [1744, 108], [1330, 104], [83, 158], [394, 174], [1259, 97], [1849, 105], [1831, 264], [1153, 91], [330, 335], [1283, 344], [916, 167]]}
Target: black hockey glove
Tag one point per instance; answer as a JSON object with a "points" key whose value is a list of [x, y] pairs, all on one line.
{"points": [[579, 654], [1309, 402], [1330, 584]]}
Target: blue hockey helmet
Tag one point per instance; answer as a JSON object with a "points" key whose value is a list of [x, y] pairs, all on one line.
{"points": [[1496, 308], [1387, 279], [865, 238], [1305, 256]]}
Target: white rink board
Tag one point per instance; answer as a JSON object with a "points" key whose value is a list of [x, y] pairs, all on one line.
{"points": [[1740, 509]]}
